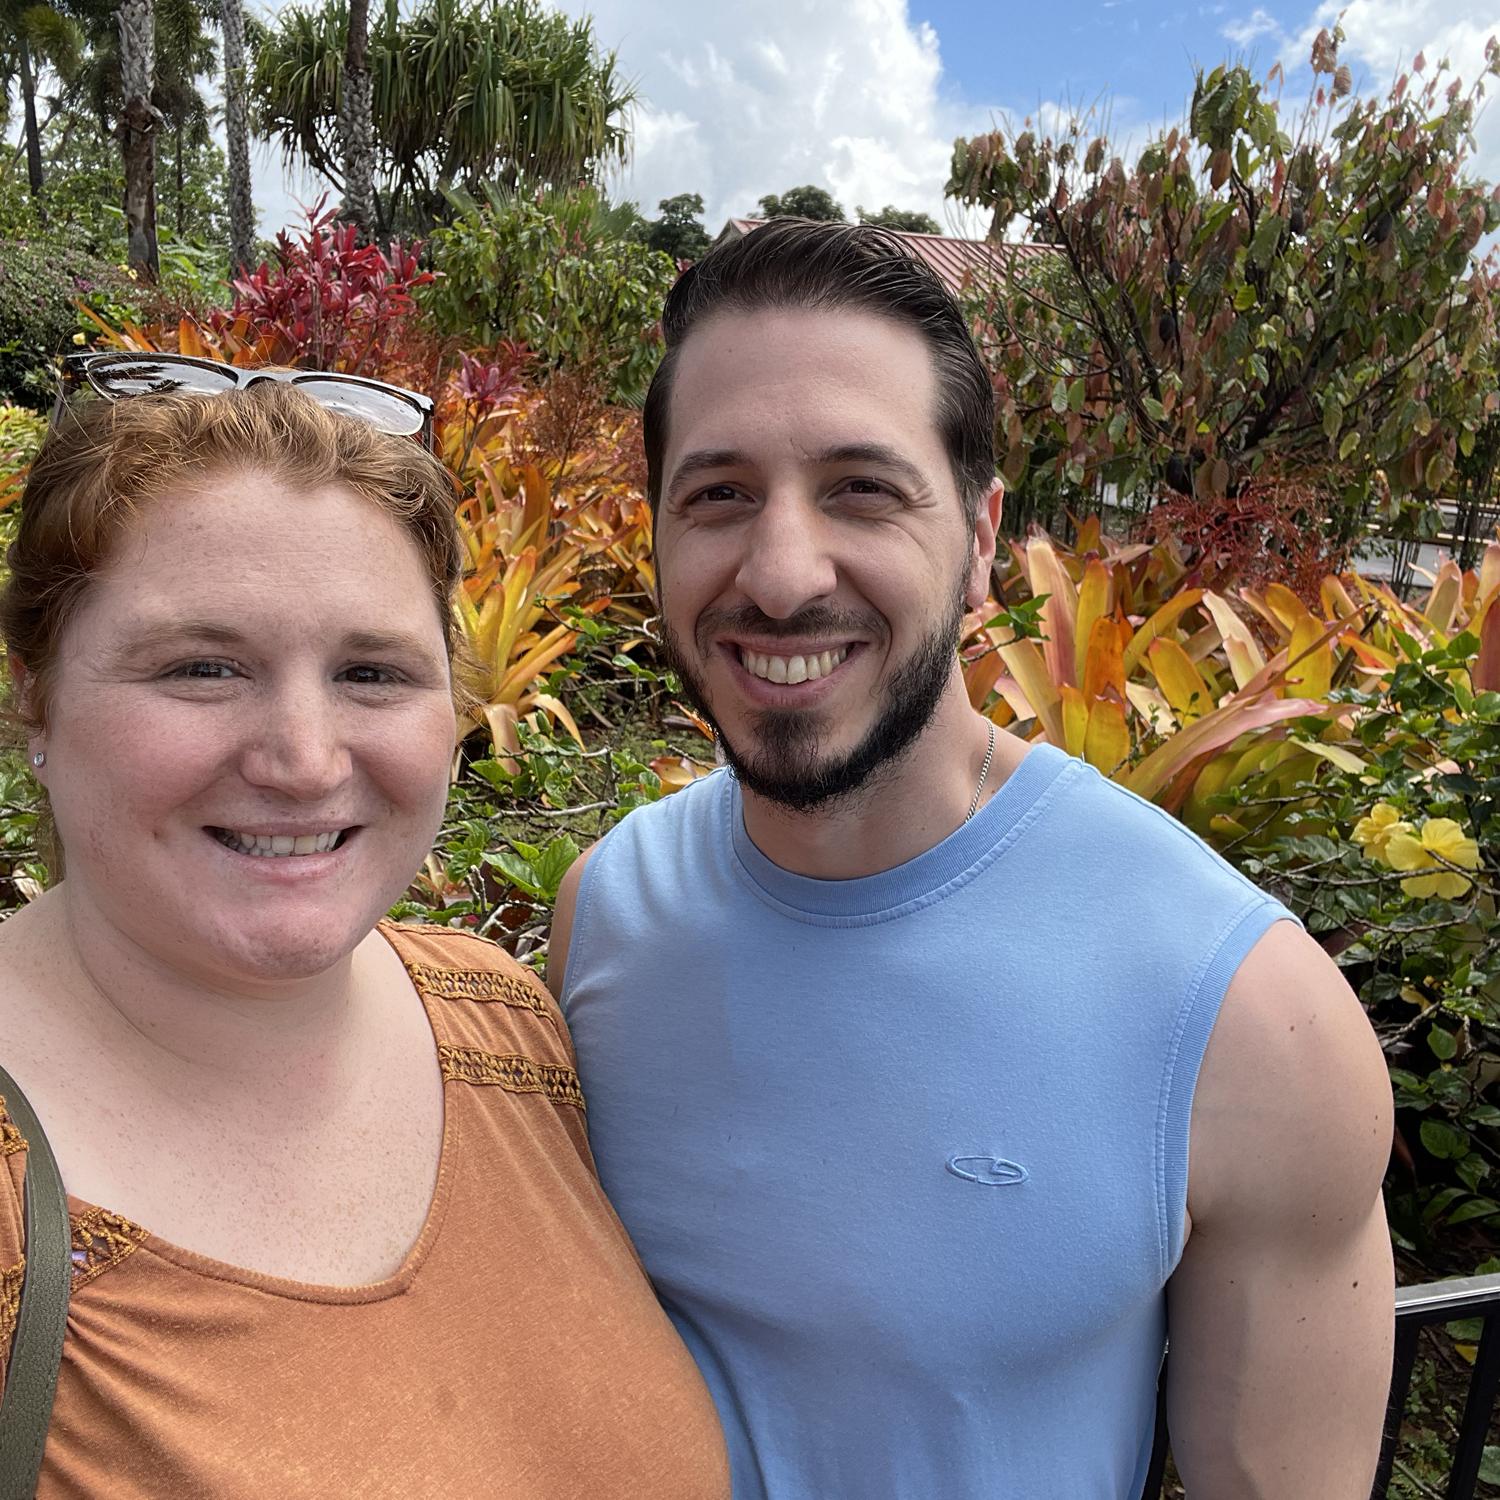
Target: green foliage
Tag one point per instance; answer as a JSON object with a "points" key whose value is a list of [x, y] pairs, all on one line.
{"points": [[907, 220], [552, 271], [466, 92], [1424, 961], [679, 232], [1247, 306], [39, 284], [806, 202]]}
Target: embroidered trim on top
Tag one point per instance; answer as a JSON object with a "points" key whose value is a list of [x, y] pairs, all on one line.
{"points": [[520, 1075], [10, 1300], [477, 984], [101, 1240], [11, 1139]]}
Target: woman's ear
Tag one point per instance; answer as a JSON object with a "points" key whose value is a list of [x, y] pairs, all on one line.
{"points": [[982, 554]]}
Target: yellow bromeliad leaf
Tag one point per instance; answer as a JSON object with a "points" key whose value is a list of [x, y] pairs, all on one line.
{"points": [[1443, 601], [1058, 614], [1309, 671], [1158, 624], [1075, 718], [1335, 599], [1106, 744], [1284, 605], [1337, 755], [1240, 646], [1179, 680], [1489, 571], [1103, 665], [1026, 665], [1162, 777], [1095, 601], [1154, 710]]}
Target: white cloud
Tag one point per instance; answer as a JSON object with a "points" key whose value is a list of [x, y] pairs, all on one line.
{"points": [[754, 99], [1383, 37], [1243, 32]]}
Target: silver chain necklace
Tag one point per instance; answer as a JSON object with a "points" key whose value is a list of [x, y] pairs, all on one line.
{"points": [[984, 772]]}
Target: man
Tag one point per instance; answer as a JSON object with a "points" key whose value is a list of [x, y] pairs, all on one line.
{"points": [[899, 1038]]}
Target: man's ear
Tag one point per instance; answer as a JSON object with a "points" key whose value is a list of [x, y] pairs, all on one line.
{"points": [[982, 554]]}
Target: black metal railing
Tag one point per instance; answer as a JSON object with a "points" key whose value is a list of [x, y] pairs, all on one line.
{"points": [[1416, 1307]]}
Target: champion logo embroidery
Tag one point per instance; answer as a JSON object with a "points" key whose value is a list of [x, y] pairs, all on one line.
{"points": [[990, 1171]]}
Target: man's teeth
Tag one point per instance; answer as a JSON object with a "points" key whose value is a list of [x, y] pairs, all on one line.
{"points": [[792, 669], [278, 845]]}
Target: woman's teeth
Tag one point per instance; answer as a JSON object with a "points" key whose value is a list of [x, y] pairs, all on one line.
{"points": [[278, 845], [791, 669]]}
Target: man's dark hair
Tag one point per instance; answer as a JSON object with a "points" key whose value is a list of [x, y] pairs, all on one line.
{"points": [[799, 263]]}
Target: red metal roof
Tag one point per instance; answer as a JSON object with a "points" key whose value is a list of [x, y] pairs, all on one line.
{"points": [[952, 259]]}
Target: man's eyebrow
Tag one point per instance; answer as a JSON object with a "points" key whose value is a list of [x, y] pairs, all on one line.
{"points": [[879, 454], [704, 459]]}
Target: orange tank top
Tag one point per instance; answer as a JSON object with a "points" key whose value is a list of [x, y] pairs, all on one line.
{"points": [[518, 1351]]}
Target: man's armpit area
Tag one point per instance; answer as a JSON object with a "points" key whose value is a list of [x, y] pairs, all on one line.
{"points": [[1292, 1118]]}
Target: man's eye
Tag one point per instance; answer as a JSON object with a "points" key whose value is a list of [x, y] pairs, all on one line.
{"points": [[716, 493], [864, 488]]}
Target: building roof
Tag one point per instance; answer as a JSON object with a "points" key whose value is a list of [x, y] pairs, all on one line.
{"points": [[954, 260]]}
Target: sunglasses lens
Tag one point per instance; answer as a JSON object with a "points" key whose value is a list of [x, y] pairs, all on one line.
{"points": [[142, 377], [383, 410]]}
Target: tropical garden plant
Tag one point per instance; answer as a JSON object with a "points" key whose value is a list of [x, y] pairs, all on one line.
{"points": [[1257, 313]]}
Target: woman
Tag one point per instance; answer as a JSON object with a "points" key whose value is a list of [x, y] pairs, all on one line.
{"points": [[336, 1229]]}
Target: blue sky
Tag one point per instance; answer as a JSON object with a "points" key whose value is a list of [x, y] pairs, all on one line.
{"points": [[865, 97]]}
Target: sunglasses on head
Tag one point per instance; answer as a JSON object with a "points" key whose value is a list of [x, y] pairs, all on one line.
{"points": [[387, 408]]}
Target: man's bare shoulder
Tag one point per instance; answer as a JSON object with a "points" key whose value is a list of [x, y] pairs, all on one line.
{"points": [[562, 922], [1292, 1117]]}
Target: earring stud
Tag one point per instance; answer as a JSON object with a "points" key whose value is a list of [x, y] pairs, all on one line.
{"points": [[39, 759]]}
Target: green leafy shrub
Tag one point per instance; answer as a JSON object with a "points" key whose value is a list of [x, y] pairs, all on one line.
{"points": [[40, 281], [555, 272], [1393, 861]]}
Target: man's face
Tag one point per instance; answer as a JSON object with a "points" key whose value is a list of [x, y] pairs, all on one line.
{"points": [[812, 553]]}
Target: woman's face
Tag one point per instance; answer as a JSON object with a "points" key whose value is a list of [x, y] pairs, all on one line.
{"points": [[250, 729]]}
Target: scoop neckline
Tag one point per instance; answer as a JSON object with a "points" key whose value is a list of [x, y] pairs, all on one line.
{"points": [[311, 1291]]}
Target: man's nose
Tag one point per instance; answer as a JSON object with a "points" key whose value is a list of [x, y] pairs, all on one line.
{"points": [[297, 745], [788, 561]]}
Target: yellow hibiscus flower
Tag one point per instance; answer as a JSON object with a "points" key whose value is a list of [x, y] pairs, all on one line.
{"points": [[1439, 839], [1375, 831]]}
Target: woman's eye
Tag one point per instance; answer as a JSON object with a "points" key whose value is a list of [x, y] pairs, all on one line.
{"points": [[204, 671], [366, 675]]}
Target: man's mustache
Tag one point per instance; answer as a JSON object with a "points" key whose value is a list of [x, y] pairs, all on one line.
{"points": [[817, 620]]}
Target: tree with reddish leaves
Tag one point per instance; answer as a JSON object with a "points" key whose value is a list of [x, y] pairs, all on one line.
{"points": [[1258, 312]]}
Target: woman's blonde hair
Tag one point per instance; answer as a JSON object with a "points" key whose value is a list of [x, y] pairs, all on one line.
{"points": [[104, 460]]}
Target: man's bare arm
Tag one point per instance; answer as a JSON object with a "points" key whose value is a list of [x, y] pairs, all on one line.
{"points": [[562, 922], [1280, 1313]]}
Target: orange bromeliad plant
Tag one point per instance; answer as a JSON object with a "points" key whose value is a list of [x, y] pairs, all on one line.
{"points": [[1181, 694]]}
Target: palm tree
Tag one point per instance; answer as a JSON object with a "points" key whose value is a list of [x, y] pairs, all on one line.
{"points": [[32, 36], [463, 92], [357, 120], [139, 118], [237, 134]]}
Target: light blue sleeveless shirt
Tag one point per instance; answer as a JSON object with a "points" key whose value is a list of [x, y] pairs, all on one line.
{"points": [[906, 1156]]}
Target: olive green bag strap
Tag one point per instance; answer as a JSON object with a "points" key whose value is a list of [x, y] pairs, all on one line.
{"points": [[36, 1347]]}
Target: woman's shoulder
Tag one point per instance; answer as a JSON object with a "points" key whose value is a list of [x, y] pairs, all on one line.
{"points": [[490, 996], [12, 1230]]}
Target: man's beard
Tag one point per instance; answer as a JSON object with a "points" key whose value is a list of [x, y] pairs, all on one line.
{"points": [[786, 767]]}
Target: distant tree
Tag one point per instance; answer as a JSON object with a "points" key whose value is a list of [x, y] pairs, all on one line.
{"points": [[806, 202], [33, 36], [237, 135], [357, 120], [139, 119], [464, 92], [679, 232], [1259, 307], [907, 220]]}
